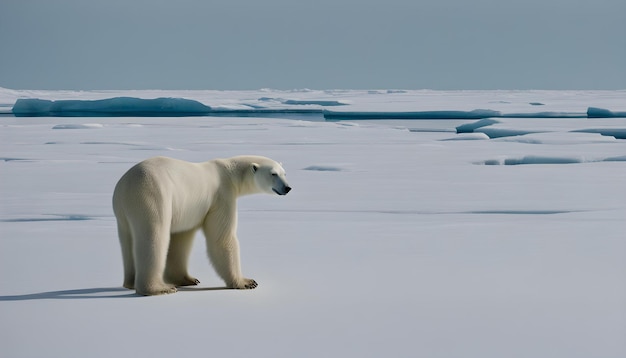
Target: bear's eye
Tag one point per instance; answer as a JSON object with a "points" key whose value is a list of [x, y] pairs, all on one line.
{"points": [[274, 174]]}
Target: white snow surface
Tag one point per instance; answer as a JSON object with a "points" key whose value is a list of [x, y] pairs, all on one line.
{"points": [[399, 238]]}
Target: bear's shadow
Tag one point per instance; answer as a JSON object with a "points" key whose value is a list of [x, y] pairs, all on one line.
{"points": [[90, 293]]}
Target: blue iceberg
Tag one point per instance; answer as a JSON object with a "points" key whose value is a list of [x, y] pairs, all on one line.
{"points": [[594, 112], [471, 127], [110, 107]]}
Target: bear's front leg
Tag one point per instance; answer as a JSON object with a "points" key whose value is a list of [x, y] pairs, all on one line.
{"points": [[223, 247], [225, 259]]}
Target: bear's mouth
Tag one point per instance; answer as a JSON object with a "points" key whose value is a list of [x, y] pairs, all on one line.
{"points": [[283, 192]]}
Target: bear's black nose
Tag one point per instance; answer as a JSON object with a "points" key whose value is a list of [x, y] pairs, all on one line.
{"points": [[287, 189]]}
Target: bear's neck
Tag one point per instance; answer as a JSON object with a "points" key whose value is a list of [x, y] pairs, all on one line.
{"points": [[239, 177]]}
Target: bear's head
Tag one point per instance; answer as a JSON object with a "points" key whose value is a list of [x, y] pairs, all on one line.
{"points": [[269, 177]]}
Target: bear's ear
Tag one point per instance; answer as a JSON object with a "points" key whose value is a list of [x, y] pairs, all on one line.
{"points": [[255, 167]]}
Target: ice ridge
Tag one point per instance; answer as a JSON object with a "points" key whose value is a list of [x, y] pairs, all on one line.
{"points": [[475, 114]]}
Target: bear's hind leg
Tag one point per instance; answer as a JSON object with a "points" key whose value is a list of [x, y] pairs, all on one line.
{"points": [[178, 258], [126, 242], [150, 245]]}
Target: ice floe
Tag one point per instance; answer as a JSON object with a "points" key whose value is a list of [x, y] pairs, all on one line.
{"points": [[534, 159]]}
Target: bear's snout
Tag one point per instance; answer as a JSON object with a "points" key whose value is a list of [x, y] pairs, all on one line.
{"points": [[282, 191]]}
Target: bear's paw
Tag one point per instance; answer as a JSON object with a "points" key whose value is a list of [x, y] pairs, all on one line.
{"points": [[184, 281], [245, 284], [154, 291]]}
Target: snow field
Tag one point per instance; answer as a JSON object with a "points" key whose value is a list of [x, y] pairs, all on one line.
{"points": [[393, 242]]}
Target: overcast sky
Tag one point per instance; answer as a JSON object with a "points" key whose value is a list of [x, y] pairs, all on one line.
{"points": [[320, 44]]}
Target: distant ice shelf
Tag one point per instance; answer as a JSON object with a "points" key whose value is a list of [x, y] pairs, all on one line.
{"points": [[139, 107], [117, 106], [331, 105]]}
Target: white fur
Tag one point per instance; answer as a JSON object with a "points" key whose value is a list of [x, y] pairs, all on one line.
{"points": [[161, 202]]}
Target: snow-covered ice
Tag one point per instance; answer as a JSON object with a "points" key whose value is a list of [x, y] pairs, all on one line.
{"points": [[398, 239]]}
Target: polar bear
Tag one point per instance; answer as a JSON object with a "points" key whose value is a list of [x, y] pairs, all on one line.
{"points": [[161, 202]]}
